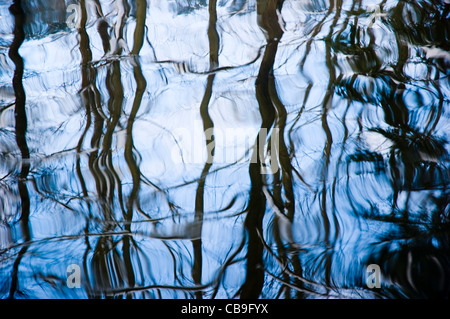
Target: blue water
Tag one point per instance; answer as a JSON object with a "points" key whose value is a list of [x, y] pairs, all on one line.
{"points": [[224, 149]]}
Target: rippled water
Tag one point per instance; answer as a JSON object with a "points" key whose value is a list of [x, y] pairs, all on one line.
{"points": [[224, 149]]}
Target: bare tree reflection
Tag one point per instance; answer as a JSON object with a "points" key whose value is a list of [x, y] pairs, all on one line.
{"points": [[350, 100], [208, 129], [21, 130]]}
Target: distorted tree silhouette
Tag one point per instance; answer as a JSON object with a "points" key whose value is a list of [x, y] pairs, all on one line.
{"points": [[21, 140], [208, 129], [374, 85], [416, 160], [111, 270]]}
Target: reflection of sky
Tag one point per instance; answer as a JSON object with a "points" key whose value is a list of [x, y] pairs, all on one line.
{"points": [[168, 136]]}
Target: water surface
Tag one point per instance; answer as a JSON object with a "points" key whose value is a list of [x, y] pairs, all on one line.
{"points": [[224, 148]]}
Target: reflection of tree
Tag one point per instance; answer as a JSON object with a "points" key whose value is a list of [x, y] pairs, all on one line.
{"points": [[20, 132], [411, 147], [111, 269], [367, 66], [208, 127], [279, 194], [414, 162]]}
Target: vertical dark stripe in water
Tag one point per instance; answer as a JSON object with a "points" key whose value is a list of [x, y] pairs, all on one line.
{"points": [[435, 113], [269, 22], [288, 207], [402, 47], [19, 111], [108, 269], [314, 32], [91, 98], [286, 183], [99, 117], [86, 84], [141, 12], [20, 132], [130, 158], [344, 126], [326, 106], [89, 76], [208, 129], [116, 97]]}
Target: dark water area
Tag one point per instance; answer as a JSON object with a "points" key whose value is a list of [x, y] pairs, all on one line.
{"points": [[224, 149]]}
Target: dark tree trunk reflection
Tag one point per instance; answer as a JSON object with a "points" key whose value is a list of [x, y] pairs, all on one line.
{"points": [[21, 140]]}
